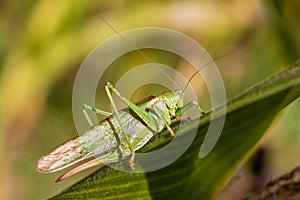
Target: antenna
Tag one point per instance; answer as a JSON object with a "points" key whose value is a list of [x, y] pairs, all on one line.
{"points": [[165, 74], [139, 51], [212, 60]]}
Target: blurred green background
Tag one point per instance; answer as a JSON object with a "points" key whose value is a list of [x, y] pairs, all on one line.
{"points": [[42, 44]]}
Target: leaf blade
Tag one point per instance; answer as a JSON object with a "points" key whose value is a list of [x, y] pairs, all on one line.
{"points": [[248, 117]]}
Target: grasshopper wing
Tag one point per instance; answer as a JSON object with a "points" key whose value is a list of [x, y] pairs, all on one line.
{"points": [[95, 142]]}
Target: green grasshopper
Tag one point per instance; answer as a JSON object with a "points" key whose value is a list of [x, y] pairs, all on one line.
{"points": [[121, 134]]}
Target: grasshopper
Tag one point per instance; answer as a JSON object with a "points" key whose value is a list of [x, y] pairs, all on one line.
{"points": [[119, 135]]}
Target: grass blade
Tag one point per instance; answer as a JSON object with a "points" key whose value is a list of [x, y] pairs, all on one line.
{"points": [[248, 117]]}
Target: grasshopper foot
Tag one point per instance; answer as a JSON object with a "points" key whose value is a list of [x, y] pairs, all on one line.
{"points": [[131, 161]]}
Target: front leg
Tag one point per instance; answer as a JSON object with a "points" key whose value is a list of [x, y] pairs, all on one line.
{"points": [[188, 106], [159, 113]]}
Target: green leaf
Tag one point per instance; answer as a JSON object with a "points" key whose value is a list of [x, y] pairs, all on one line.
{"points": [[247, 119]]}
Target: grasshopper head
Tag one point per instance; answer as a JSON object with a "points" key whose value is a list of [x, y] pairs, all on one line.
{"points": [[174, 101]]}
